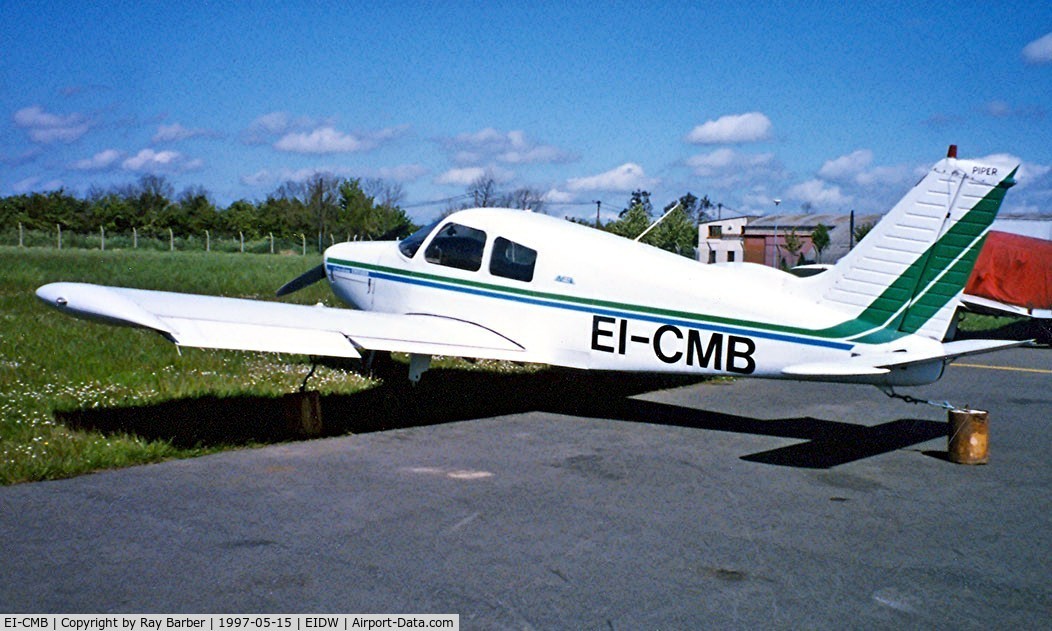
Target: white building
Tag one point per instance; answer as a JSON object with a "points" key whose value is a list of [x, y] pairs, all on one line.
{"points": [[721, 241]]}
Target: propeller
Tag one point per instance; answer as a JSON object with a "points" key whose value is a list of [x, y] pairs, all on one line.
{"points": [[305, 279]]}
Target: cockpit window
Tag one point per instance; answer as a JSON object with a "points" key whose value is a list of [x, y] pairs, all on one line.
{"points": [[411, 244], [512, 260], [457, 246]]}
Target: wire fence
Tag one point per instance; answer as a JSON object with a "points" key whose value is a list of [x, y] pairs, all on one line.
{"points": [[58, 238]]}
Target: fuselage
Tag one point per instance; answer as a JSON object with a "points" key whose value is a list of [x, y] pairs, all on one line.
{"points": [[574, 296]]}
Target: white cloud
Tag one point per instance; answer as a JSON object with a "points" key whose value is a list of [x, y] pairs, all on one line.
{"points": [[856, 170], [556, 196], [513, 147], [1039, 51], [1002, 109], [465, 176], [272, 123], [401, 173], [99, 162], [890, 177], [627, 177], [267, 177], [263, 177], [730, 169], [461, 177], [1028, 171], [846, 167], [264, 129], [171, 133], [161, 161], [820, 194], [321, 140], [32, 184], [732, 129], [720, 161], [47, 128], [330, 140]]}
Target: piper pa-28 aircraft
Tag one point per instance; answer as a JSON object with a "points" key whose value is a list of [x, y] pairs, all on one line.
{"points": [[513, 285]]}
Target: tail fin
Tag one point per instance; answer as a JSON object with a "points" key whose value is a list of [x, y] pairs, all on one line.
{"points": [[907, 273]]}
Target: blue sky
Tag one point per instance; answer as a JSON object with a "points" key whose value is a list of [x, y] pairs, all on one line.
{"points": [[836, 105]]}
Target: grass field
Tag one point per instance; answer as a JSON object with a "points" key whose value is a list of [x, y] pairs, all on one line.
{"points": [[50, 363]]}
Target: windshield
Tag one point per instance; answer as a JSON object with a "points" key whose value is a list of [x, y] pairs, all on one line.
{"points": [[411, 244]]}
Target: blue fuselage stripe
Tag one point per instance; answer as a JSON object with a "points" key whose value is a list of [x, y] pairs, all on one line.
{"points": [[597, 310]]}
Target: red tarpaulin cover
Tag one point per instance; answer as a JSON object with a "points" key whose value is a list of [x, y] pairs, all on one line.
{"points": [[1013, 269]]}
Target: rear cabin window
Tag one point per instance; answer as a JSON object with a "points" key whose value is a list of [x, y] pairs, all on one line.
{"points": [[512, 260], [457, 246]]}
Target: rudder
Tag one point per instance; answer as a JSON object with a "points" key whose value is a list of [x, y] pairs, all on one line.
{"points": [[906, 274]]}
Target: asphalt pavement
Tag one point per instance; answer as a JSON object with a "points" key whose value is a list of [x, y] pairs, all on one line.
{"points": [[727, 504]]}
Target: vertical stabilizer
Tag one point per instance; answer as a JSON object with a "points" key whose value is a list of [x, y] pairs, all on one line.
{"points": [[907, 273]]}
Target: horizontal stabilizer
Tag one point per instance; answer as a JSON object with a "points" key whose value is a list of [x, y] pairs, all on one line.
{"points": [[874, 365], [833, 369]]}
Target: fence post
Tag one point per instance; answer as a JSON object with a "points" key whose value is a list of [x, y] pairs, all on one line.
{"points": [[171, 241], [135, 238], [303, 238], [208, 242], [102, 238], [59, 226], [242, 235], [271, 242], [20, 242]]}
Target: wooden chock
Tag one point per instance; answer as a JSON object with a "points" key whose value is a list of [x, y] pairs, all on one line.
{"points": [[303, 413], [969, 438]]}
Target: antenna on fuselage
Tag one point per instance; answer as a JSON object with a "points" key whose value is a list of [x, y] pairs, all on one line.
{"points": [[651, 226]]}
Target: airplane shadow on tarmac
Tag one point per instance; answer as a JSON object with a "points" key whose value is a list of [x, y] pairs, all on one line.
{"points": [[450, 395]]}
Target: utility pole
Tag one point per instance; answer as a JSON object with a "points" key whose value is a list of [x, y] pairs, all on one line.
{"points": [[598, 205]]}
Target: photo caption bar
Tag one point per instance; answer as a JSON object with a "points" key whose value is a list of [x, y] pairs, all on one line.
{"points": [[224, 622]]}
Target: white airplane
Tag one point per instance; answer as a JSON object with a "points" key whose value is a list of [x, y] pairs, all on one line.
{"points": [[512, 285]]}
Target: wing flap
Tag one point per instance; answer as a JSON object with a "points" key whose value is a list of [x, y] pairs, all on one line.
{"points": [[257, 337], [236, 323]]}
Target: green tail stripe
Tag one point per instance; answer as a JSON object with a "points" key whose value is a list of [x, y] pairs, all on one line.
{"points": [[940, 256], [967, 237]]}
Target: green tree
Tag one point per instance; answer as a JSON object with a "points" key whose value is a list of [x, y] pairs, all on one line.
{"points": [[149, 198], [194, 212], [640, 198], [793, 245], [631, 223], [861, 231], [42, 211], [322, 191], [283, 214], [113, 212], [820, 239], [677, 232], [358, 215], [242, 217]]}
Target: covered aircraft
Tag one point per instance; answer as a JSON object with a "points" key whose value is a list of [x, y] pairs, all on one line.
{"points": [[1012, 276], [513, 285]]}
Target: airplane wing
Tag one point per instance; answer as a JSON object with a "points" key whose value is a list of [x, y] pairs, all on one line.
{"points": [[882, 363], [980, 304], [256, 325]]}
